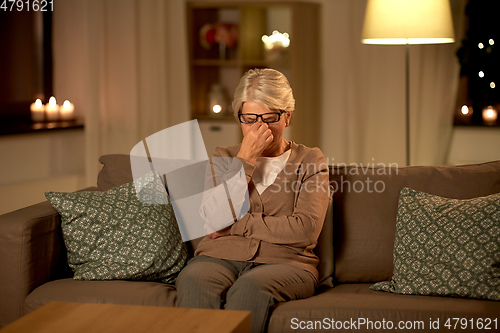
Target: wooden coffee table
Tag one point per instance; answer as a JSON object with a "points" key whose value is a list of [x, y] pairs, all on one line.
{"points": [[88, 318]]}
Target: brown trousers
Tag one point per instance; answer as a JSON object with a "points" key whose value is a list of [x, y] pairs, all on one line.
{"points": [[237, 285]]}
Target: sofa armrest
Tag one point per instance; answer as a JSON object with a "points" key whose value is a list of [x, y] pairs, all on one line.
{"points": [[32, 252]]}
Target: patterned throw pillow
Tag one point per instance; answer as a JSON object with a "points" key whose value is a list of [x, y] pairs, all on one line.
{"points": [[446, 247], [113, 235]]}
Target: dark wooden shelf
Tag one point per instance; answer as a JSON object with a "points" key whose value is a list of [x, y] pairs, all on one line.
{"points": [[228, 118], [459, 123], [23, 127]]}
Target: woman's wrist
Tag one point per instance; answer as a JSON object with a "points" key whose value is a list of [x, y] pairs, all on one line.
{"points": [[246, 157]]}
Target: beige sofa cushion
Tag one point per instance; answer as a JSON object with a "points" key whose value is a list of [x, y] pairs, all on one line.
{"points": [[348, 302], [365, 217], [114, 292]]}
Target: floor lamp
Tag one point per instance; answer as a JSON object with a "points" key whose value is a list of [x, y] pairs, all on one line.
{"points": [[405, 22]]}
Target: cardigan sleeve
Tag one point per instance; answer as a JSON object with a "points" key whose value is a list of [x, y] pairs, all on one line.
{"points": [[303, 226]]}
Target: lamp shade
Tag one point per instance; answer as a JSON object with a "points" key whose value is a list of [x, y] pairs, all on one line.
{"points": [[408, 22]]}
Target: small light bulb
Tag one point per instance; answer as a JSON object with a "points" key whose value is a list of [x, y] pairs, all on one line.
{"points": [[492, 85], [481, 74], [480, 45], [465, 110], [217, 108], [491, 41]]}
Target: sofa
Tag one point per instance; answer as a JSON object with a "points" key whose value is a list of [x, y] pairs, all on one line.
{"points": [[356, 249]]}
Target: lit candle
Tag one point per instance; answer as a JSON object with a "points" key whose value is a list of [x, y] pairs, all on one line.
{"points": [[52, 110], [67, 111], [37, 111], [490, 115]]}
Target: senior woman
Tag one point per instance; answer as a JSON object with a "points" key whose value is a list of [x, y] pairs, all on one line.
{"points": [[266, 256]]}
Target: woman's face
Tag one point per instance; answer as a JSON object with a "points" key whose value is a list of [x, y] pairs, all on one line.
{"points": [[276, 128]]}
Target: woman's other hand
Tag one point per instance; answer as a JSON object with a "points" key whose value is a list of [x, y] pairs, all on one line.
{"points": [[256, 139]]}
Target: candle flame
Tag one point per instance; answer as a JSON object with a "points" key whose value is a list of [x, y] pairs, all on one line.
{"points": [[38, 103], [52, 101], [66, 104]]}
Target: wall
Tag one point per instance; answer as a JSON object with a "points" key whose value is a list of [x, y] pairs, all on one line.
{"points": [[32, 164], [474, 145]]}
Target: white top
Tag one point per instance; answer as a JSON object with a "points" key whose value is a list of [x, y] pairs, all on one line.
{"points": [[267, 169]]}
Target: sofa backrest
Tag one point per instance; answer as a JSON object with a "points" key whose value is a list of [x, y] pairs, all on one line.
{"points": [[364, 207], [365, 210]]}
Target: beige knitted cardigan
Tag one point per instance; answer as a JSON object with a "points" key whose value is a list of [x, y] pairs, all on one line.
{"points": [[284, 222]]}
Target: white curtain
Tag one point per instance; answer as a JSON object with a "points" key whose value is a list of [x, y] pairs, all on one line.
{"points": [[364, 92], [434, 74], [124, 64]]}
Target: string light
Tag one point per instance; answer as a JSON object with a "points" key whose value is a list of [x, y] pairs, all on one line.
{"points": [[492, 85], [481, 74], [491, 41], [465, 110], [480, 45], [277, 39]]}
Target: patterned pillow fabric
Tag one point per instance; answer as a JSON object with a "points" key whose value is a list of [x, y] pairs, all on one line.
{"points": [[446, 247], [114, 235]]}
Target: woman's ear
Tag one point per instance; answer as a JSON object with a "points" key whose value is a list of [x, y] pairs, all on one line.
{"points": [[288, 116]]}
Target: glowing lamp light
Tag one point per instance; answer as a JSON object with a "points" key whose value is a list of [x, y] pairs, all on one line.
{"points": [[393, 22], [217, 108]]}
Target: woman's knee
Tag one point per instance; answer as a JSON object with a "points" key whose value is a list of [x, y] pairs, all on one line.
{"points": [[205, 274], [249, 287], [279, 284]]}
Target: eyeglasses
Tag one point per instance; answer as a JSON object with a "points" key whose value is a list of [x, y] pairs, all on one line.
{"points": [[251, 118]]}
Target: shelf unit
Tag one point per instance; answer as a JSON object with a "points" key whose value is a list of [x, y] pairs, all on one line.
{"points": [[300, 64]]}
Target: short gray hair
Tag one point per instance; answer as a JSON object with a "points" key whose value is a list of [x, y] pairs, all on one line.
{"points": [[266, 87]]}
